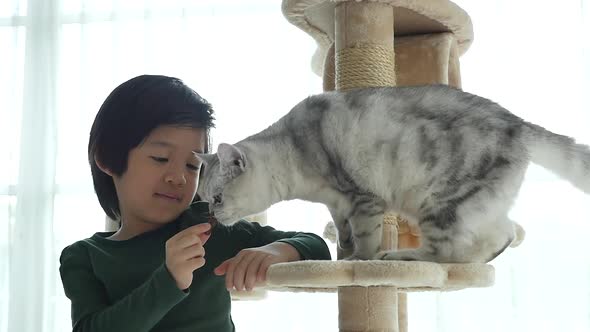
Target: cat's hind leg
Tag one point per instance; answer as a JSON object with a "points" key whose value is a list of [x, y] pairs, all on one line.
{"points": [[473, 228], [466, 220], [435, 247], [469, 234]]}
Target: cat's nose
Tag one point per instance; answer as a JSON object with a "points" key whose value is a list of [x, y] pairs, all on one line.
{"points": [[217, 199]]}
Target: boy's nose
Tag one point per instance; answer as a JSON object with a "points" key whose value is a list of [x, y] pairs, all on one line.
{"points": [[175, 177]]}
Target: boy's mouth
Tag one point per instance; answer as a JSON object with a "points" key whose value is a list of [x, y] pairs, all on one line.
{"points": [[169, 196]]}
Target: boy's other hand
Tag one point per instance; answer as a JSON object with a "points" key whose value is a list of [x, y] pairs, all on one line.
{"points": [[185, 253], [250, 265]]}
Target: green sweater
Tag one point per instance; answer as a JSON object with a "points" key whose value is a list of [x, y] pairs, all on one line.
{"points": [[125, 285]]}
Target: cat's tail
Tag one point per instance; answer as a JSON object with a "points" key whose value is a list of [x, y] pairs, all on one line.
{"points": [[561, 155]]}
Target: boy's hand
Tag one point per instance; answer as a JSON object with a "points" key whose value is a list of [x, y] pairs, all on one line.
{"points": [[185, 253], [249, 266]]}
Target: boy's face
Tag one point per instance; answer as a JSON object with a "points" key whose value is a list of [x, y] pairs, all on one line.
{"points": [[161, 177]]}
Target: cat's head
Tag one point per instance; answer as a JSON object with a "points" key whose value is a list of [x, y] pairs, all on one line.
{"points": [[231, 185]]}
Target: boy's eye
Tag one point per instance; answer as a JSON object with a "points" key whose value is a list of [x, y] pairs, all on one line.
{"points": [[190, 166], [159, 159], [193, 167]]}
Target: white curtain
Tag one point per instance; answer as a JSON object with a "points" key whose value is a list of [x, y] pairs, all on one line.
{"points": [[60, 59]]}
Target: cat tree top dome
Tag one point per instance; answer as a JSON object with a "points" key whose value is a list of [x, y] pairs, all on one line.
{"points": [[411, 17]]}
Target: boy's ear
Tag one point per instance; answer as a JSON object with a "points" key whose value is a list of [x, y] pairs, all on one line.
{"points": [[102, 167], [231, 159]]}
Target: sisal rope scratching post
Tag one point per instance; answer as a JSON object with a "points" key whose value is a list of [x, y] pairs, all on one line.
{"points": [[364, 57], [364, 45]]}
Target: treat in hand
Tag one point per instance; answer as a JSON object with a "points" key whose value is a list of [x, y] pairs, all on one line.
{"points": [[212, 221], [198, 213]]}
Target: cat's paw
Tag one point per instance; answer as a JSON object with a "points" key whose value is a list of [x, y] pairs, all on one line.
{"points": [[380, 255], [358, 256], [393, 256], [352, 257]]}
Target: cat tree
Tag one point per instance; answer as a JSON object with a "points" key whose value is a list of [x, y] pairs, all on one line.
{"points": [[356, 42]]}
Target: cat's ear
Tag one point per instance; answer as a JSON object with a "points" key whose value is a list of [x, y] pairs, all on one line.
{"points": [[205, 158], [231, 159]]}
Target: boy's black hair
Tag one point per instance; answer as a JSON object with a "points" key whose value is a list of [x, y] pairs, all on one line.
{"points": [[127, 117]]}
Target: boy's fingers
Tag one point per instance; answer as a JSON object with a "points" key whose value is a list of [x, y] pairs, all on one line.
{"points": [[266, 263], [229, 273], [203, 231], [222, 268], [239, 271], [196, 263], [190, 236], [231, 270], [196, 230], [252, 272], [193, 251], [187, 241]]}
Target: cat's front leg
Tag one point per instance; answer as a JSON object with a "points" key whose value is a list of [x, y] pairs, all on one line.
{"points": [[366, 223], [344, 238]]}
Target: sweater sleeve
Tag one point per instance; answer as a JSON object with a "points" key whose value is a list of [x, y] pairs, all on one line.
{"points": [[309, 245], [91, 311]]}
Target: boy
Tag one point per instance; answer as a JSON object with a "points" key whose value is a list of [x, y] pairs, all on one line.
{"points": [[165, 268]]}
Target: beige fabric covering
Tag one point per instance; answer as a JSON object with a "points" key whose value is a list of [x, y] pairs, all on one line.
{"points": [[406, 276], [326, 276], [411, 17]]}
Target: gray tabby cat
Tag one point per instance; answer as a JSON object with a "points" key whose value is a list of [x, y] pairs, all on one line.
{"points": [[448, 161]]}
